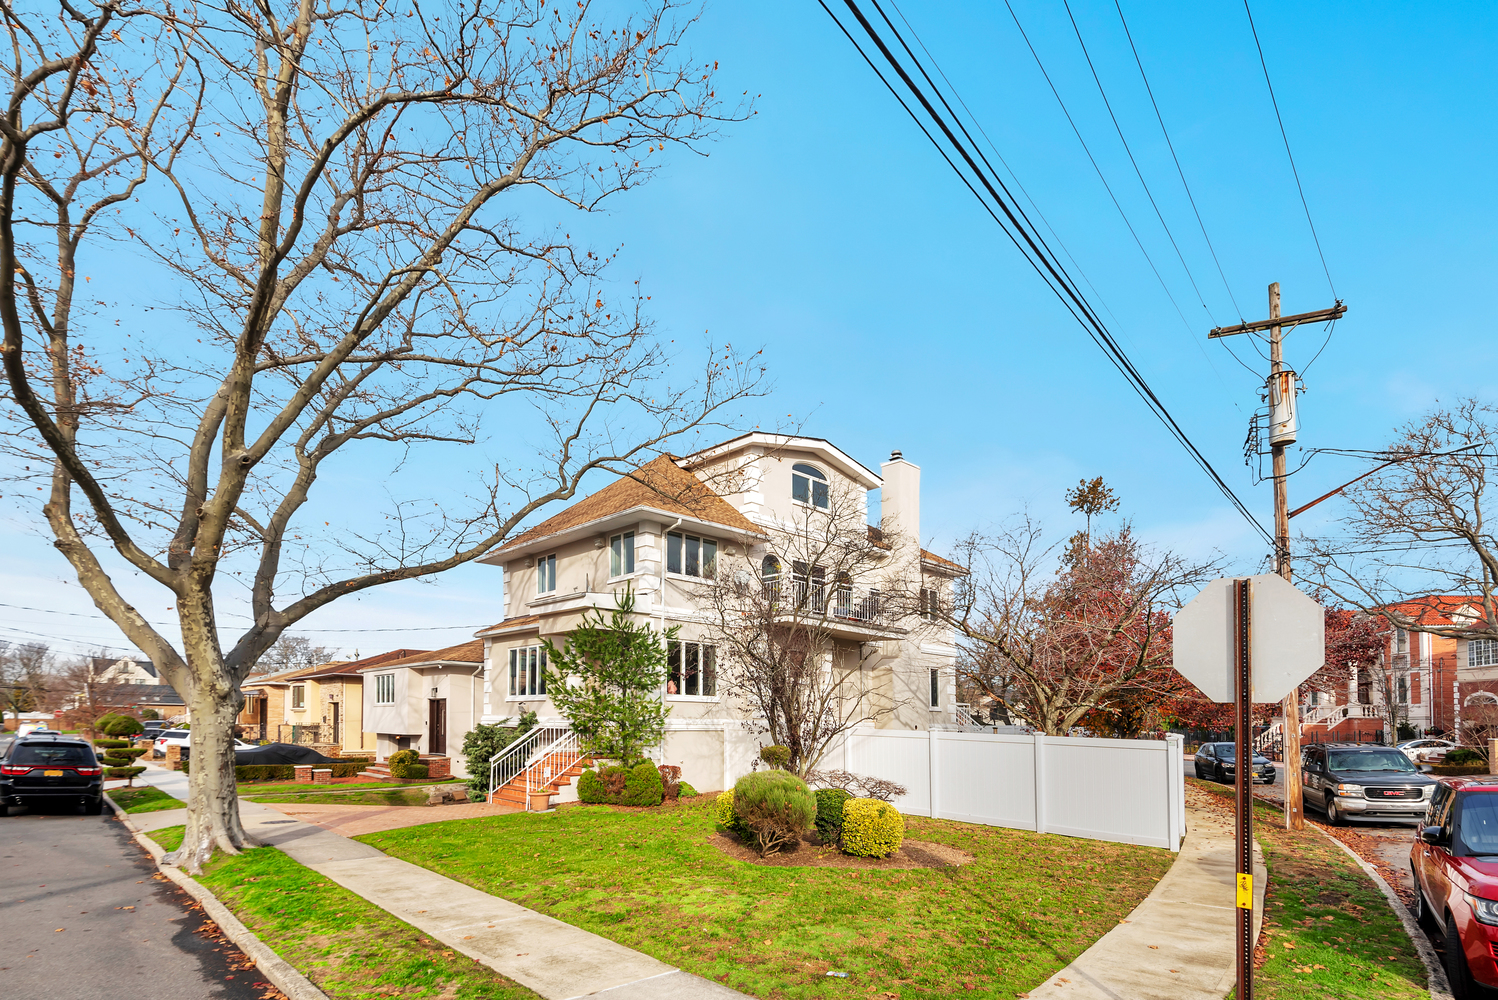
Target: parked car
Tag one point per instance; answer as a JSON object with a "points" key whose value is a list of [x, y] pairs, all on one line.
{"points": [[51, 769], [1454, 862], [1219, 762], [1426, 751], [180, 737], [1364, 781]]}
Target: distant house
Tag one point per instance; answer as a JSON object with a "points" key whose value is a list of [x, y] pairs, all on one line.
{"points": [[426, 701], [321, 705], [126, 671], [135, 698]]}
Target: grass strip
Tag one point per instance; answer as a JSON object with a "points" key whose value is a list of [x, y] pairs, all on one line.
{"points": [[144, 799], [259, 787], [350, 948], [372, 797], [651, 880], [1328, 929]]}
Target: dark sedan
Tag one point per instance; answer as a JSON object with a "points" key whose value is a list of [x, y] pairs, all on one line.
{"points": [[1219, 762]]}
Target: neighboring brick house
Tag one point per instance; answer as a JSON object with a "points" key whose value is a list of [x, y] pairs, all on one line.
{"points": [[677, 525]]}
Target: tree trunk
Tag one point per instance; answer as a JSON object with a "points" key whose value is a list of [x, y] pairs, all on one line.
{"points": [[212, 796]]}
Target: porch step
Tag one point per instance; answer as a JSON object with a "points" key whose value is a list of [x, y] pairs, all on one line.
{"points": [[513, 793]]}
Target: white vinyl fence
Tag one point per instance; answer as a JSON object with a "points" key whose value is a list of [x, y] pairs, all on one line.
{"points": [[1129, 791]]}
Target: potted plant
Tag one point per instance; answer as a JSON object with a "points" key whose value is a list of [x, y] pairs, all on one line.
{"points": [[541, 800]]}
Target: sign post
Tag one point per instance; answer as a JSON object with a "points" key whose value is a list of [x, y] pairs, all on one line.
{"points": [[1240, 641]]}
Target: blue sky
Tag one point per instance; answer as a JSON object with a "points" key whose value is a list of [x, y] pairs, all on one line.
{"points": [[894, 314]]}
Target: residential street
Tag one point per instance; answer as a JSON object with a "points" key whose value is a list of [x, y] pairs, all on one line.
{"points": [[84, 919]]}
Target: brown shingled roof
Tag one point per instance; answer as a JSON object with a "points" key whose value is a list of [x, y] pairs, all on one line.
{"points": [[932, 557], [513, 623], [354, 666], [661, 484], [464, 652]]}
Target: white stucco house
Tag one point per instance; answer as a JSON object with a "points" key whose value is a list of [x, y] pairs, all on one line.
{"points": [[720, 517]]}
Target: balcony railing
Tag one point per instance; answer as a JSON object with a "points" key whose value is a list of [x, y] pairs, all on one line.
{"points": [[838, 601]]}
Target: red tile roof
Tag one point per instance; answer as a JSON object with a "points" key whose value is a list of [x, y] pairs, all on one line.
{"points": [[661, 484]]}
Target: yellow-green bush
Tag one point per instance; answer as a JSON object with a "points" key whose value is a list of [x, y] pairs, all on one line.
{"points": [[871, 828], [723, 813]]}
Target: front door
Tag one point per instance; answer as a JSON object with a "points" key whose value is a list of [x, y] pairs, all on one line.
{"points": [[338, 723], [264, 716], [437, 726]]}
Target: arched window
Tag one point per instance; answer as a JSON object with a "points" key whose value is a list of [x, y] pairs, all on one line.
{"points": [[1481, 698], [769, 569], [809, 485]]}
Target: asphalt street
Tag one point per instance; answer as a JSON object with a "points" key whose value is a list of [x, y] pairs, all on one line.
{"points": [[84, 919]]}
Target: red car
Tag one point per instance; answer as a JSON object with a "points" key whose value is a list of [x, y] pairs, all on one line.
{"points": [[1455, 864]]}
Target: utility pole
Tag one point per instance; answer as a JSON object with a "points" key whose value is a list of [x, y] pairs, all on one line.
{"points": [[1282, 432]]}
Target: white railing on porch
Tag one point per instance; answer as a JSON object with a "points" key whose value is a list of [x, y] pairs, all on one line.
{"points": [[550, 763], [514, 759], [1330, 715]]}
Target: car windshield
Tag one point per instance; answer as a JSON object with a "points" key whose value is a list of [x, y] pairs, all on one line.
{"points": [[1368, 760], [1227, 751], [1477, 830], [44, 753], [173, 734]]}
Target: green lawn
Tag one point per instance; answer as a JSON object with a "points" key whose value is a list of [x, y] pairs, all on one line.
{"points": [[1328, 930], [350, 948], [144, 799], [386, 796], [650, 880]]}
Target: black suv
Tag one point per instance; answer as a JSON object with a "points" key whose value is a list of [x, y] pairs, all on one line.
{"points": [[1219, 762], [57, 770], [1363, 781]]}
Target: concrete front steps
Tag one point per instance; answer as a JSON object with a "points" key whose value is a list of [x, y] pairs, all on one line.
{"points": [[513, 792], [439, 768]]}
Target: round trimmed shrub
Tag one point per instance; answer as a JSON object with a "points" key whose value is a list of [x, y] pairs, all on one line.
{"points": [[830, 813], [776, 756], [150, 715], [590, 787], [723, 813], [871, 828], [775, 806], [1463, 755], [123, 725], [642, 785], [401, 762], [111, 744], [685, 791]]}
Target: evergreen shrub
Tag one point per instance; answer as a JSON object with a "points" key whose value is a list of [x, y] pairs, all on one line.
{"points": [[128, 773], [417, 771], [830, 813], [871, 828], [111, 744], [122, 725], [775, 806], [776, 756], [685, 791], [1463, 755], [401, 762], [642, 785], [590, 787]]}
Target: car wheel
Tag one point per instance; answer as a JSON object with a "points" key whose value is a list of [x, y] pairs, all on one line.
{"points": [[1457, 972], [1333, 814], [94, 808], [1198, 772]]}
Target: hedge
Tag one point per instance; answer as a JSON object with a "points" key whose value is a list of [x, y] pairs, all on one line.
{"points": [[637, 785], [345, 768], [830, 803], [111, 744], [1480, 767]]}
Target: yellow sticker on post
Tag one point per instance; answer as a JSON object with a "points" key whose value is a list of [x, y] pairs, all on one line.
{"points": [[1245, 892]]}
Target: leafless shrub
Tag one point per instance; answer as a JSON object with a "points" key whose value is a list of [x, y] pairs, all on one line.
{"points": [[859, 785]]}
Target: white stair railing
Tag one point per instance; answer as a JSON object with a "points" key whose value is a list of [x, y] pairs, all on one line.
{"points": [[513, 759], [551, 763], [965, 717]]}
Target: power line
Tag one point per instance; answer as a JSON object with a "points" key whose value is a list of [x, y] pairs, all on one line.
{"points": [[1285, 136], [1179, 170], [1039, 255]]}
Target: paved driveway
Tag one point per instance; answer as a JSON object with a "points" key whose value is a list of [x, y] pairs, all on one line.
{"points": [[84, 919]]}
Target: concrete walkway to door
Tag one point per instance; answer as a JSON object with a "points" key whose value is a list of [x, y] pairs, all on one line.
{"points": [[352, 821]]}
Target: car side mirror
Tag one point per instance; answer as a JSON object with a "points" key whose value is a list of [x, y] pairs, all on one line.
{"points": [[1431, 834]]}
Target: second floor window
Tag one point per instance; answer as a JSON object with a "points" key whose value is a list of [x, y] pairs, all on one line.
{"points": [[691, 670], [690, 555], [546, 574], [936, 689], [384, 689], [528, 672], [622, 554], [809, 485], [1401, 641], [299, 696], [1482, 652], [930, 607]]}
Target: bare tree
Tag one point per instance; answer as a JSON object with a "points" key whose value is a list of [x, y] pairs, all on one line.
{"points": [[331, 194], [295, 652], [800, 622], [26, 673], [1051, 640], [1418, 527]]}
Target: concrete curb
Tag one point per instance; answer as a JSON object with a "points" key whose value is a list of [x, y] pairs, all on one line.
{"points": [[1440, 987], [279, 971]]}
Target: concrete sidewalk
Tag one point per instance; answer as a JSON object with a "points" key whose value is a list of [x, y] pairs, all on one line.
{"points": [[1180, 942]]}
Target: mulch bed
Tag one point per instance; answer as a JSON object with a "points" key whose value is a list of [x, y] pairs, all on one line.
{"points": [[812, 853]]}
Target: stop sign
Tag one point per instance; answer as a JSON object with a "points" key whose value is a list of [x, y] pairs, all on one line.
{"points": [[1287, 640]]}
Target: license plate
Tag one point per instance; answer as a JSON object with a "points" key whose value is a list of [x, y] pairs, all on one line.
{"points": [[52, 774]]}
